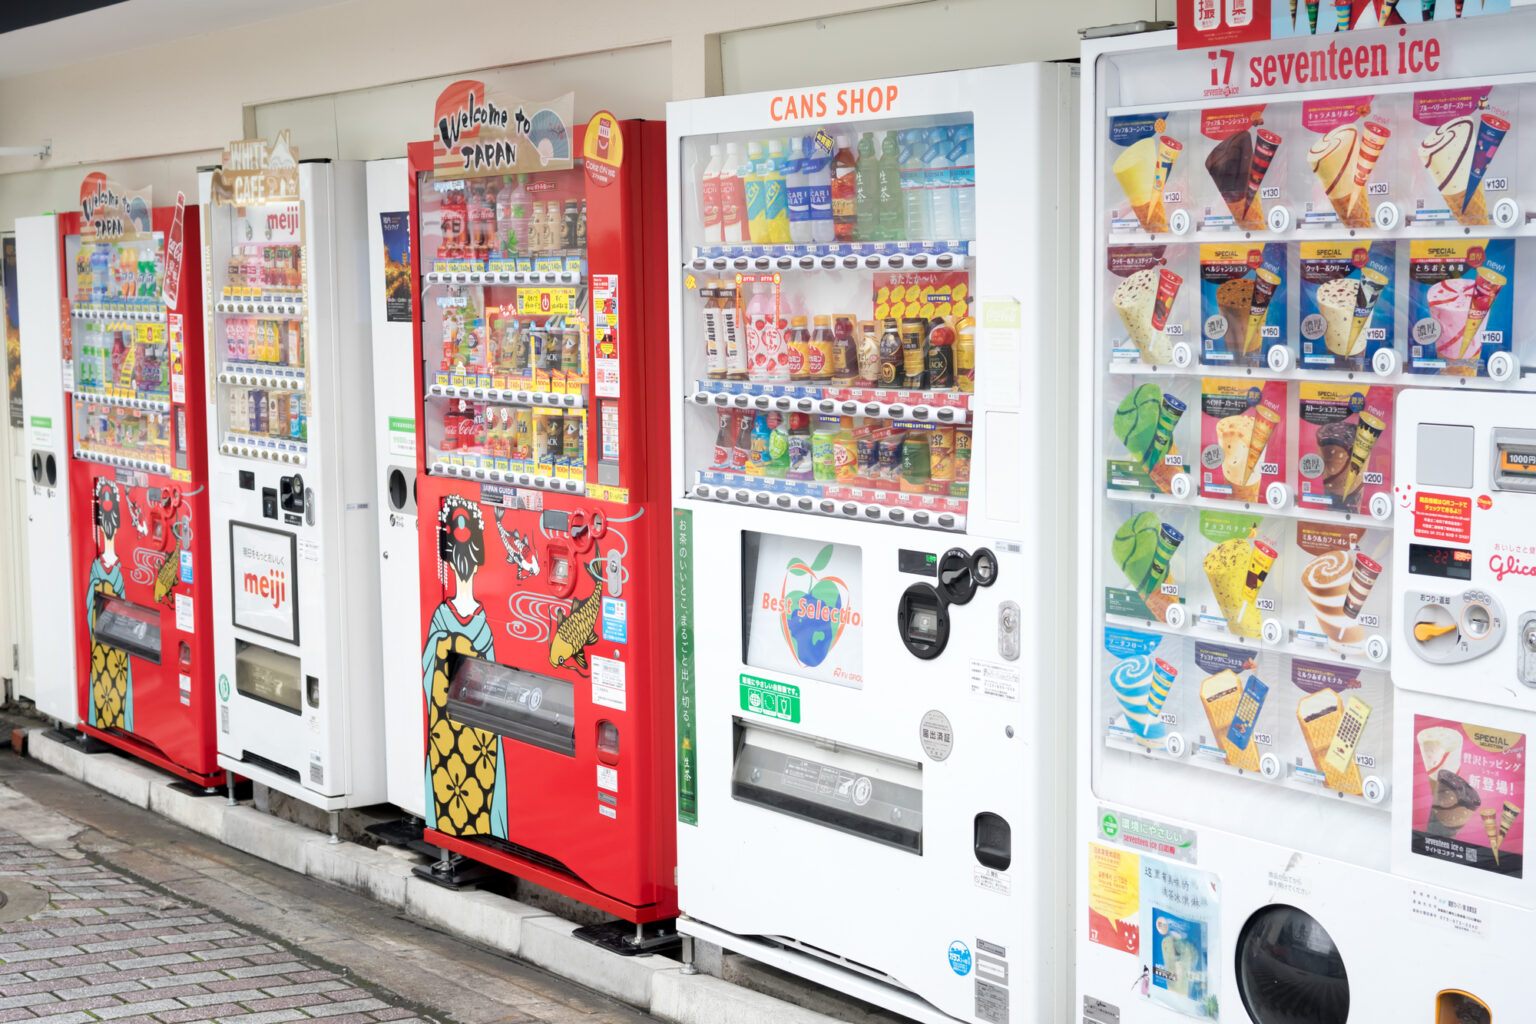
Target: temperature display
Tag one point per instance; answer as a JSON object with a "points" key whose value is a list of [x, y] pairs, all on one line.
{"points": [[1435, 560]]}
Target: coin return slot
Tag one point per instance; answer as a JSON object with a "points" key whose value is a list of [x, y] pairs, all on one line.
{"points": [[827, 783]]}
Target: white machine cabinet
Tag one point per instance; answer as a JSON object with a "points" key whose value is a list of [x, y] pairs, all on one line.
{"points": [[1307, 422], [872, 573], [295, 538]]}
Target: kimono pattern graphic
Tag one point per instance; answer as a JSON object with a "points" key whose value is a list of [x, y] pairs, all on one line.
{"points": [[465, 777], [111, 672]]}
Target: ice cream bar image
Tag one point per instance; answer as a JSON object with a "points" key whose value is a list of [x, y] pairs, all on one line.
{"points": [[1266, 283], [1489, 134], [1341, 752], [1167, 290], [1373, 420], [1163, 675], [1168, 541], [1360, 585], [1484, 290], [1168, 150], [1387, 7], [1341, 12], [1259, 564], [1240, 732], [1264, 149], [1373, 280], [1373, 139], [1162, 434]]}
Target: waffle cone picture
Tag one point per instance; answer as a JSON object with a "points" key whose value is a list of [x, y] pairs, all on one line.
{"points": [[1476, 212], [1220, 695], [1319, 715]]}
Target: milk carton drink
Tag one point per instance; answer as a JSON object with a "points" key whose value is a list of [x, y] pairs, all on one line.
{"points": [[938, 197], [913, 183], [798, 191], [733, 196], [709, 198], [963, 180], [816, 165]]}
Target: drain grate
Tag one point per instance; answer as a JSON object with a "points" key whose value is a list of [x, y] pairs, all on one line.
{"points": [[19, 900]]}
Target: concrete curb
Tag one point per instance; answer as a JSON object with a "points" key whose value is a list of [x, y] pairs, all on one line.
{"points": [[653, 984]]}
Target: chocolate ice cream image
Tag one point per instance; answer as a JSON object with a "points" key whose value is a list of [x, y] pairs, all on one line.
{"points": [[1229, 165], [1455, 803], [1334, 443]]}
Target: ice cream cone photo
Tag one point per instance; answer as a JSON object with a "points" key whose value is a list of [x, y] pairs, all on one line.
{"points": [[1134, 300], [1439, 750], [1491, 826], [1448, 153], [1334, 162], [1136, 171]]}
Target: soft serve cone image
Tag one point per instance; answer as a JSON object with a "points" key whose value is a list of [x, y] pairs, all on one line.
{"points": [[1168, 150], [1326, 581], [1136, 171], [1491, 826], [1229, 164], [1132, 682], [1485, 288], [1336, 303], [1332, 159], [1134, 300], [1447, 154], [1439, 750]]}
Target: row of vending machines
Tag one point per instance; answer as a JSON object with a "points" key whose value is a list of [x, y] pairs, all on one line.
{"points": [[541, 484]]}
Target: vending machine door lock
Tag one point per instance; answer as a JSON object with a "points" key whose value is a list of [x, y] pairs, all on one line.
{"points": [[1525, 651]]}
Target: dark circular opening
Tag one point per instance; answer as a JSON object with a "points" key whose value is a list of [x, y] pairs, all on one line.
{"points": [[51, 471], [397, 493], [1289, 971]]}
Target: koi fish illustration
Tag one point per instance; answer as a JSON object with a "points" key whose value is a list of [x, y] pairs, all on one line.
{"points": [[578, 630], [167, 576], [520, 551]]}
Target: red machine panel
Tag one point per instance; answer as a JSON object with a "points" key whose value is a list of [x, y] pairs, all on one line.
{"points": [[542, 487], [133, 339]]}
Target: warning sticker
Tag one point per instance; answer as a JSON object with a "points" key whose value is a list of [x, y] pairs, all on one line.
{"points": [[1443, 517]]}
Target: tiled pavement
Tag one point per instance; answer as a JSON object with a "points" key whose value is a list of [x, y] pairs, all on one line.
{"points": [[111, 947]]}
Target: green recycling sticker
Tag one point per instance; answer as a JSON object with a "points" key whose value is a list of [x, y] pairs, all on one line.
{"points": [[770, 699], [223, 686]]}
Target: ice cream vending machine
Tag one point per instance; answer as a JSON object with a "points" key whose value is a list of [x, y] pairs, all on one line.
{"points": [[544, 711], [291, 457], [1305, 401], [870, 291]]}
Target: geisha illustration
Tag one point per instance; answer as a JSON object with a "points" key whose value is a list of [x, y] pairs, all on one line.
{"points": [[111, 673], [464, 767]]}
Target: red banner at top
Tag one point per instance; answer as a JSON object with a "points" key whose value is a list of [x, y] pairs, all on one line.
{"points": [[1222, 22]]}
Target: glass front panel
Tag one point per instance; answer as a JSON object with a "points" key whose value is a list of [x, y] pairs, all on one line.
{"points": [[535, 709], [128, 627], [504, 327], [262, 331], [828, 331]]}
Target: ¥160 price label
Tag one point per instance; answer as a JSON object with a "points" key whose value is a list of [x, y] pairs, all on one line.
{"points": [[546, 301]]}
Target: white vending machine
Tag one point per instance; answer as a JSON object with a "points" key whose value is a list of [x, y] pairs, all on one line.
{"points": [[295, 538], [1306, 402], [871, 299], [392, 308], [50, 579]]}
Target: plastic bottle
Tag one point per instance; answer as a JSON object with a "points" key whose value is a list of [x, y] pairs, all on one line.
{"points": [[733, 197], [892, 372], [893, 212], [801, 463], [866, 179], [775, 194], [938, 196], [757, 207], [709, 198], [767, 350], [823, 458], [798, 193], [845, 217], [799, 341], [845, 453], [913, 180], [534, 237], [963, 180], [819, 352], [817, 166]]}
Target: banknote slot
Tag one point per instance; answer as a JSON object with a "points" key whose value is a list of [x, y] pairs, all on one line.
{"points": [[520, 705], [129, 627], [827, 783], [1514, 460], [268, 676]]}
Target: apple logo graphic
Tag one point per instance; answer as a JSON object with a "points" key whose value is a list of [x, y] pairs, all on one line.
{"points": [[816, 611]]}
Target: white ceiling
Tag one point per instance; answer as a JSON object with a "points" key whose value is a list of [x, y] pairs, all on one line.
{"points": [[132, 26]]}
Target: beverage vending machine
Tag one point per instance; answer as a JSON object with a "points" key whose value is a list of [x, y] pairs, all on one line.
{"points": [[542, 503], [130, 312], [1305, 388], [870, 288], [290, 449]]}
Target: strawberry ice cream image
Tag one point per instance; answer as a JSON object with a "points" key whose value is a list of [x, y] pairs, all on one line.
{"points": [[1449, 302]]}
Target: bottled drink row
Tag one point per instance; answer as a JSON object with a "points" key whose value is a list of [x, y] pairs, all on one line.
{"points": [[276, 414], [845, 451], [269, 341], [915, 184], [500, 218], [543, 355], [124, 360], [123, 433], [755, 342], [264, 269], [127, 272], [516, 439]]}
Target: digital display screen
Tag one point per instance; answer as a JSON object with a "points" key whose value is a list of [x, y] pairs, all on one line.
{"points": [[1437, 560]]}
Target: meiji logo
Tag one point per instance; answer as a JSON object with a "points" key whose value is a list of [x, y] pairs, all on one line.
{"points": [[285, 222], [273, 586]]}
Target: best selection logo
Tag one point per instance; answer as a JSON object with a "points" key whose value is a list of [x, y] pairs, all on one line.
{"points": [[814, 610]]}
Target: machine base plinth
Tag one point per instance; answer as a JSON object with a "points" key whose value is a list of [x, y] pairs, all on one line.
{"points": [[627, 939], [242, 789], [454, 871], [87, 744], [404, 832]]}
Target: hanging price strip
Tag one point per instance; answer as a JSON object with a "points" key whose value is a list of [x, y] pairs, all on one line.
{"points": [[552, 301]]}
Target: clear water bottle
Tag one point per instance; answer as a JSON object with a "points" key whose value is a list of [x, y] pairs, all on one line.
{"points": [[913, 190], [963, 180], [939, 196]]}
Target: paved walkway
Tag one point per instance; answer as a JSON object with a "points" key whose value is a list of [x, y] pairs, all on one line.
{"points": [[148, 923]]}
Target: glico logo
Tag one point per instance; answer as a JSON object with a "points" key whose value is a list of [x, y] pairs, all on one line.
{"points": [[814, 610], [273, 586]]}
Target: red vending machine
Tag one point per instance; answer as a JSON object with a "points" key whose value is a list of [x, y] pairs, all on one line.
{"points": [[133, 372], [542, 489]]}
